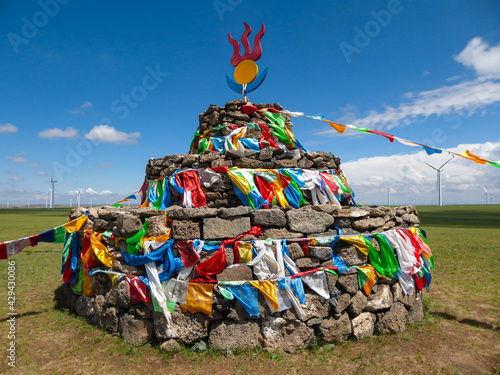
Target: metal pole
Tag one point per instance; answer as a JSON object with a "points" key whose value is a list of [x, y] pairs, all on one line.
{"points": [[439, 187]]}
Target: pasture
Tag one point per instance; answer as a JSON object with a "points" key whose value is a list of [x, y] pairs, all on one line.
{"points": [[459, 334]]}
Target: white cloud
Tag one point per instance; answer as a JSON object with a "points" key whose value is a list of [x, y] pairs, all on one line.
{"points": [[17, 159], [9, 172], [40, 173], [17, 178], [108, 134], [426, 73], [93, 192], [409, 178], [481, 57], [22, 153], [35, 165], [58, 133], [453, 78], [81, 110], [8, 128]]}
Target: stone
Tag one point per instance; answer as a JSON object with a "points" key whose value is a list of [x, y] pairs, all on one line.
{"points": [[171, 346], [331, 280], [157, 226], [382, 299], [357, 304], [350, 254], [252, 163], [314, 322], [307, 262], [243, 335], [315, 307], [185, 326], [295, 251], [235, 154], [122, 266], [146, 212], [221, 163], [363, 325], [379, 211], [128, 225], [119, 295], [416, 312], [397, 293], [266, 153], [235, 274], [369, 223], [305, 163], [286, 163], [321, 252], [342, 302], [84, 306], [107, 213], [239, 116], [411, 219], [234, 212], [279, 233], [336, 330], [107, 319], [328, 233], [394, 320], [101, 225], [352, 212], [216, 228], [101, 283], [326, 208], [141, 311], [349, 283], [282, 335], [135, 331], [180, 213], [199, 347], [268, 218], [308, 221], [185, 230], [239, 313]]}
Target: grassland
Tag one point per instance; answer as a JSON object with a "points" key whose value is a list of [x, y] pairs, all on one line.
{"points": [[459, 333]]}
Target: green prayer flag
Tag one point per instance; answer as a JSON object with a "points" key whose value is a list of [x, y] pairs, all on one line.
{"points": [[134, 243]]}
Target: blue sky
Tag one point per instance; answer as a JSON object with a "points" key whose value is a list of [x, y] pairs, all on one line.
{"points": [[139, 75]]}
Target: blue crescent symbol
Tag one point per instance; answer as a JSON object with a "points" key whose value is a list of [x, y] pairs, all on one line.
{"points": [[254, 85]]}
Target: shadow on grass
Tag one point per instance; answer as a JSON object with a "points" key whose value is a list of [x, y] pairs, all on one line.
{"points": [[29, 313], [470, 322]]}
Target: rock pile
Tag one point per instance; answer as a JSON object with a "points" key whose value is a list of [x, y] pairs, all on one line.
{"points": [[314, 240]]}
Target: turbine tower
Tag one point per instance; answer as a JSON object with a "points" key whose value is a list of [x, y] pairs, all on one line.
{"points": [[485, 195], [79, 192], [52, 182], [438, 170], [388, 195]]}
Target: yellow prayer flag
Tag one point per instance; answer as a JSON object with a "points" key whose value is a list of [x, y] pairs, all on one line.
{"points": [[244, 252], [100, 250], [75, 225], [199, 298], [357, 241], [338, 127], [370, 272], [268, 289], [87, 284]]}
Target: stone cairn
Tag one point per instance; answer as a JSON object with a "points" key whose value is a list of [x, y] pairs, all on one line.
{"points": [[348, 312]]}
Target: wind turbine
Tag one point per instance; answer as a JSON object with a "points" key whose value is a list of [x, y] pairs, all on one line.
{"points": [[485, 195], [52, 182], [388, 195], [438, 170], [78, 192]]}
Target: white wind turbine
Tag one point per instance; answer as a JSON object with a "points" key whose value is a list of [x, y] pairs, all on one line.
{"points": [[438, 170], [485, 195]]}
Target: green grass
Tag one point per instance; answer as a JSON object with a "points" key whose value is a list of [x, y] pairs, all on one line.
{"points": [[465, 243]]}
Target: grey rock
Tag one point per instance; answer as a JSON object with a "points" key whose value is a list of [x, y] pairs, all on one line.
{"points": [[308, 221], [382, 299], [397, 292], [235, 274], [326, 208], [342, 302], [314, 322], [107, 213], [358, 304], [171, 346], [215, 228], [279, 233], [307, 262], [180, 213], [350, 255], [186, 326], [352, 212], [295, 251], [101, 225], [286, 163], [411, 219], [119, 295], [331, 280], [84, 306], [369, 223], [416, 312], [141, 312], [234, 212], [135, 331], [284, 335], [266, 153], [336, 330], [349, 283], [185, 230], [107, 319], [315, 307], [394, 320], [363, 325], [321, 252], [268, 218], [128, 225], [122, 266], [305, 163], [157, 226], [199, 347], [252, 163], [101, 283], [242, 335]]}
